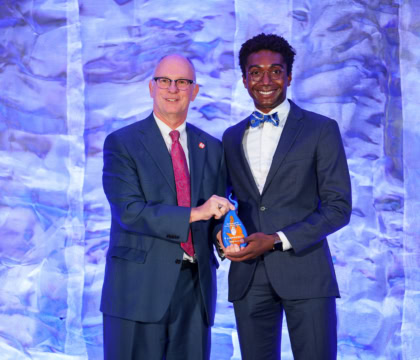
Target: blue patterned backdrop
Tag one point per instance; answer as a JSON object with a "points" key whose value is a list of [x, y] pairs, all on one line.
{"points": [[73, 71]]}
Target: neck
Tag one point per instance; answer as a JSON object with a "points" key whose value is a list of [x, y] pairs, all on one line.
{"points": [[266, 110], [172, 121]]}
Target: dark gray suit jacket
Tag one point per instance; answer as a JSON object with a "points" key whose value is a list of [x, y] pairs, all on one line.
{"points": [[144, 256], [307, 195]]}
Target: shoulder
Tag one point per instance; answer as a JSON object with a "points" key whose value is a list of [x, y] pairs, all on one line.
{"points": [[321, 129], [130, 129], [233, 131], [129, 132], [314, 122], [309, 116]]}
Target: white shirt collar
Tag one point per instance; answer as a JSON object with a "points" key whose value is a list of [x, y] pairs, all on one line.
{"points": [[165, 129]]}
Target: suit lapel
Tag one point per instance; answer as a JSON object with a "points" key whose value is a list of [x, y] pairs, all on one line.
{"points": [[153, 141], [242, 165], [288, 136], [197, 149]]}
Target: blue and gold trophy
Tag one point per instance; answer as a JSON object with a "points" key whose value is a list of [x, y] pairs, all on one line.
{"points": [[233, 228]]}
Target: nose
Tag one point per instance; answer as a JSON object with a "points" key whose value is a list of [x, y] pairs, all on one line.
{"points": [[266, 79], [172, 87]]}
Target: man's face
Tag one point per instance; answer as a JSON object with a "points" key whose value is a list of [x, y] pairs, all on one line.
{"points": [[266, 92], [171, 105]]}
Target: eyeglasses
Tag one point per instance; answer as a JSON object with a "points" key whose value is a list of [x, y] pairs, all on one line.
{"points": [[274, 73], [165, 83]]}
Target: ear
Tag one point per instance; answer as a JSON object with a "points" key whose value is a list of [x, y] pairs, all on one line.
{"points": [[244, 82], [195, 92], [289, 79], [151, 88]]}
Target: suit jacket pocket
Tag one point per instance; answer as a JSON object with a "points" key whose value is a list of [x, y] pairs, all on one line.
{"points": [[126, 253]]}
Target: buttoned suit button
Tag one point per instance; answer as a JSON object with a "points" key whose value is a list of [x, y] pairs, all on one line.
{"points": [[262, 208], [177, 261]]}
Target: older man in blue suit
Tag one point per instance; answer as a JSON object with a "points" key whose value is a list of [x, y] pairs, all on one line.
{"points": [[289, 173], [163, 179]]}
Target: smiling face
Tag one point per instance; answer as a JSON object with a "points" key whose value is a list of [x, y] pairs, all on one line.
{"points": [[267, 93], [171, 105]]}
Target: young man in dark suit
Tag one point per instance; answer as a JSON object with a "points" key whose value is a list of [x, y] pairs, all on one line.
{"points": [[163, 179], [289, 173]]}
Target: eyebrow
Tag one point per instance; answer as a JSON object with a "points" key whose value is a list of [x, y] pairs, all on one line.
{"points": [[271, 65], [166, 77]]}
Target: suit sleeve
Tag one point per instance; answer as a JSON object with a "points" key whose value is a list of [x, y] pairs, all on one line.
{"points": [[222, 183], [334, 190], [128, 203]]}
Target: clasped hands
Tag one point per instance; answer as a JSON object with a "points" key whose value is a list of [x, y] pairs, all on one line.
{"points": [[258, 244], [215, 206]]}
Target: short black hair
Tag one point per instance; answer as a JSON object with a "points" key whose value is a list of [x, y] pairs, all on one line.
{"points": [[271, 42]]}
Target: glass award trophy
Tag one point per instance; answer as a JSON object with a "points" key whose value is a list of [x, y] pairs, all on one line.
{"points": [[233, 228]]}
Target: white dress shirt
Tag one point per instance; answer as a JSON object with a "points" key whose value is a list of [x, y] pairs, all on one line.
{"points": [[165, 130], [260, 144]]}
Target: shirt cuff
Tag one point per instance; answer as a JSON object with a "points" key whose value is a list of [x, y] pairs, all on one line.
{"points": [[284, 241]]}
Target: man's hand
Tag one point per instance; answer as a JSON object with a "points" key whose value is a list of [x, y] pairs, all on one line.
{"points": [[258, 244], [216, 207]]}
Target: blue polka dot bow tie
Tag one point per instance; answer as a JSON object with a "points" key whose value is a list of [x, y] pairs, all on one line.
{"points": [[258, 118]]}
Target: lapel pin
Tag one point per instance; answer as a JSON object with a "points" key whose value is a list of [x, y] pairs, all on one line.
{"points": [[201, 145]]}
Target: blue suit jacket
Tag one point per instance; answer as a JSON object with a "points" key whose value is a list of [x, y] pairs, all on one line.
{"points": [[144, 256], [307, 195]]}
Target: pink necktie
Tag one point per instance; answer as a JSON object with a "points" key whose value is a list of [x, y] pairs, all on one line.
{"points": [[182, 182]]}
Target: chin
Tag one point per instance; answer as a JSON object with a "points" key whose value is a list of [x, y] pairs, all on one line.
{"points": [[268, 106]]}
